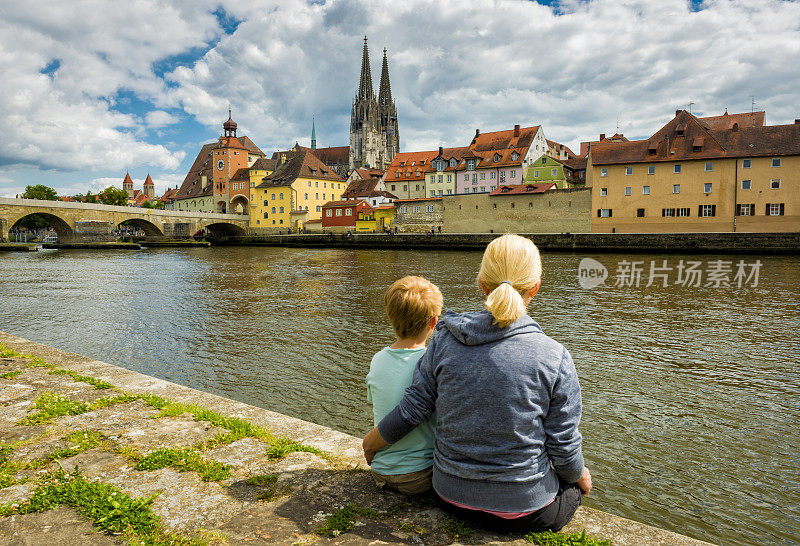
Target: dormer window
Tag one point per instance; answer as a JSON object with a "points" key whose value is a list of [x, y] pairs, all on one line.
{"points": [[697, 145], [514, 156], [452, 162], [680, 130], [470, 164], [496, 158]]}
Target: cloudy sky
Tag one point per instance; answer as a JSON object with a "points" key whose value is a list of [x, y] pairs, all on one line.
{"points": [[92, 89]]}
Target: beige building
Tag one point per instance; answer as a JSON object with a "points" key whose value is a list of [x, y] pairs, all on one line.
{"points": [[418, 215], [720, 174], [519, 210]]}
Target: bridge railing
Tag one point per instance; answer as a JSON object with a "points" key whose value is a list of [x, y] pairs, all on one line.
{"points": [[13, 201]]}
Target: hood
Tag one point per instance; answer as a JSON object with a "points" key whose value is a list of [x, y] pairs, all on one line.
{"points": [[477, 327]]}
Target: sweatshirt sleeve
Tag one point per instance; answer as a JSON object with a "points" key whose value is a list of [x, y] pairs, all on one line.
{"points": [[563, 442], [418, 403]]}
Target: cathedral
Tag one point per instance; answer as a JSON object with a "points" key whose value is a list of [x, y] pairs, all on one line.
{"points": [[374, 138]]}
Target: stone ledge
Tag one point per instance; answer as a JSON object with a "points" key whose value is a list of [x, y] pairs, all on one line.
{"points": [[622, 531]]}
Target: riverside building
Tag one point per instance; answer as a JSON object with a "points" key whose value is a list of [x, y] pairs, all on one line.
{"points": [[722, 173]]}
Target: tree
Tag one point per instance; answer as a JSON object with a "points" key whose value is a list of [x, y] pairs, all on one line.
{"points": [[40, 191], [113, 195], [147, 205], [155, 204]]}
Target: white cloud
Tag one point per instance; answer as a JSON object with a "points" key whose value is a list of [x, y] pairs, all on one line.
{"points": [[159, 118]]}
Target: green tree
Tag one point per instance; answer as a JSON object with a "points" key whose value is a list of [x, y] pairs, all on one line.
{"points": [[147, 205], [113, 195], [155, 204], [40, 191]]}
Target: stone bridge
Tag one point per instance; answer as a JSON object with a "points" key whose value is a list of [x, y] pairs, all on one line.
{"points": [[76, 221]]}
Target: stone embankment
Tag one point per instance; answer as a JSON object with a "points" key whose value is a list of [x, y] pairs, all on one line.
{"points": [[95, 454], [733, 243]]}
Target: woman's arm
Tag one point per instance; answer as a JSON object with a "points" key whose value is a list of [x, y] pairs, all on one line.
{"points": [[563, 442]]}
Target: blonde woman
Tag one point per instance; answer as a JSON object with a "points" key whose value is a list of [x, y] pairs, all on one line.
{"points": [[508, 449]]}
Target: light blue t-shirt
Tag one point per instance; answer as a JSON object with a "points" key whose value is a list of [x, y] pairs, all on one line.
{"points": [[389, 374]]}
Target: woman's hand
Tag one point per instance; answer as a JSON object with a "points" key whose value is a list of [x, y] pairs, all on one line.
{"points": [[585, 482], [372, 443]]}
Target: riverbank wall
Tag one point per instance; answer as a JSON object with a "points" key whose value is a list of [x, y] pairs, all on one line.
{"points": [[212, 467], [726, 243]]}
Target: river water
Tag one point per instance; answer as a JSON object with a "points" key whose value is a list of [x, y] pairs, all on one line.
{"points": [[691, 394]]}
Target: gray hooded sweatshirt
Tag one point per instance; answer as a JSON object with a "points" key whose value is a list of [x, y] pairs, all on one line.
{"points": [[508, 404]]}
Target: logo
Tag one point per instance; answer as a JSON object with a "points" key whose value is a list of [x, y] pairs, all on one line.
{"points": [[591, 273]]}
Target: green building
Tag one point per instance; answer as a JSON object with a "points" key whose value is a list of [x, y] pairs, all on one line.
{"points": [[547, 169]]}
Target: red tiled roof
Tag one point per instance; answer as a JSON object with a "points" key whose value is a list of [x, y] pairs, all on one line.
{"points": [[410, 165], [726, 120], [686, 137], [558, 145], [264, 164], [344, 203], [522, 189], [299, 164], [360, 188], [128, 179], [366, 173], [148, 181], [418, 199], [501, 140], [334, 155]]}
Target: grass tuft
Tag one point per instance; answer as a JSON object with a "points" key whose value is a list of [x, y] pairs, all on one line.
{"points": [[11, 375], [51, 405], [549, 538], [184, 459], [458, 529], [96, 383], [5, 352], [82, 440], [281, 447], [271, 489], [344, 519]]}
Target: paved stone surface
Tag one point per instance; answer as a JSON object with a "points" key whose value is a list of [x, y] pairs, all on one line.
{"points": [[261, 501]]}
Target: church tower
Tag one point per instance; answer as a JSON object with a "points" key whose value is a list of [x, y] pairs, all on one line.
{"points": [[374, 138], [387, 112]]}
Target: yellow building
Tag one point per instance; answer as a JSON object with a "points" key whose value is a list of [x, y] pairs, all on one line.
{"points": [[365, 223], [294, 193], [724, 173], [384, 217]]}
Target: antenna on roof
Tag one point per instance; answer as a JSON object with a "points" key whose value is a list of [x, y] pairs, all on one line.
{"points": [[752, 103], [617, 123], [690, 107]]}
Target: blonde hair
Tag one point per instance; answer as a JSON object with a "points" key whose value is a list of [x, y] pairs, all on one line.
{"points": [[511, 266], [411, 302]]}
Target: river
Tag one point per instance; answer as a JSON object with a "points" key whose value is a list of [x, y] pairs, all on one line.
{"points": [[691, 394]]}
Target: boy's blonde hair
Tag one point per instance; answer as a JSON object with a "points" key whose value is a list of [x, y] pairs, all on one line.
{"points": [[411, 302], [511, 266]]}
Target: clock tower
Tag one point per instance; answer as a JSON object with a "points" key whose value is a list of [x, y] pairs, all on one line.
{"points": [[227, 158]]}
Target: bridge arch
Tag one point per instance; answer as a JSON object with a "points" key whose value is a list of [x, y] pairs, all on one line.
{"points": [[63, 229], [150, 229], [217, 231], [239, 204]]}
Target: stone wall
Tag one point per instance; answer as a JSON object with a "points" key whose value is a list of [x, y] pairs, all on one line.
{"points": [[555, 211], [421, 220]]}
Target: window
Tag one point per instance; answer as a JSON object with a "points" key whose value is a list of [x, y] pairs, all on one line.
{"points": [[513, 173], [746, 163], [603, 192], [676, 168], [316, 184], [338, 212], [324, 198], [483, 176], [628, 171], [530, 205], [306, 196], [645, 190], [676, 188], [449, 179], [273, 197], [775, 184], [417, 187], [266, 202], [707, 211], [404, 209], [496, 158], [493, 176], [397, 174], [683, 212], [348, 212], [441, 192], [280, 209], [669, 213], [627, 190], [441, 176], [405, 187], [466, 178], [281, 195], [651, 169], [640, 213], [471, 164], [433, 193], [474, 178], [309, 183], [319, 208], [746, 210], [776, 161], [324, 185], [707, 187], [273, 210], [536, 174], [328, 213], [603, 172], [604, 213], [502, 177], [428, 208], [281, 221], [475, 190], [774, 209], [483, 189], [266, 215], [415, 208], [392, 187], [709, 166], [449, 192], [316, 196]]}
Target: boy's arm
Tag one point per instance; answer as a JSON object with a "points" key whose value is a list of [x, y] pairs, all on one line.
{"points": [[418, 403], [563, 442]]}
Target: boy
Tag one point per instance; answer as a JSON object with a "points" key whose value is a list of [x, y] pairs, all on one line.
{"points": [[413, 305]]}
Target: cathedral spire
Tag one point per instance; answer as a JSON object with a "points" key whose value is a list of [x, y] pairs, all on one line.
{"points": [[313, 134], [365, 90], [385, 92]]}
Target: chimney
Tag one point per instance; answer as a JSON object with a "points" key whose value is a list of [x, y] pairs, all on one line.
{"points": [[602, 136], [516, 130], [677, 112], [477, 132], [441, 150]]}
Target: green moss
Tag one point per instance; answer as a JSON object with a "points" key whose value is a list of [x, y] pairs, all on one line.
{"points": [[281, 447], [263, 479], [5, 352], [238, 428], [344, 519], [81, 440], [549, 538], [96, 383], [184, 459], [458, 529], [11, 375]]}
